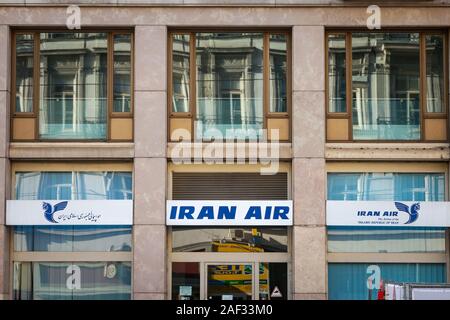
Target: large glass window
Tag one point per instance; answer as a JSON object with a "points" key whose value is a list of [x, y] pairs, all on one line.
{"points": [[73, 86], [239, 79], [223, 239], [80, 77], [397, 80], [349, 281], [72, 281], [385, 86], [229, 83], [386, 187], [73, 186]]}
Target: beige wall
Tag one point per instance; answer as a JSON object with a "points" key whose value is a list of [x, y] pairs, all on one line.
{"points": [[150, 165], [4, 162], [308, 163]]}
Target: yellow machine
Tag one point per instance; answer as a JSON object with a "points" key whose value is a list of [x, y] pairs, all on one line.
{"points": [[237, 277]]}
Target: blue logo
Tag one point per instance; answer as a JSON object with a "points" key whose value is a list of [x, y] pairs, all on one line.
{"points": [[50, 210], [413, 213]]}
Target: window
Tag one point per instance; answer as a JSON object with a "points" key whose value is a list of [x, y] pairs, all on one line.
{"points": [[397, 89], [240, 80], [73, 186], [348, 281], [386, 187], [40, 275], [72, 281], [77, 84], [223, 239]]}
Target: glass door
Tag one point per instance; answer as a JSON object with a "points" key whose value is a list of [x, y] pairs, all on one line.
{"points": [[230, 281]]}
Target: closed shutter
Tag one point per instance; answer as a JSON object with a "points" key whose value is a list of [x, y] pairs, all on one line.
{"points": [[229, 186]]}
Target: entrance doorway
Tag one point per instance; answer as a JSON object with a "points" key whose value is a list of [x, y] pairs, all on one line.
{"points": [[229, 281]]}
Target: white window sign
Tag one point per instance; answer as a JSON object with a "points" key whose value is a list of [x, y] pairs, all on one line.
{"points": [[229, 212], [69, 212], [388, 213]]}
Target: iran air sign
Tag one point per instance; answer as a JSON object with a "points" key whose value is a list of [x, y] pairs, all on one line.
{"points": [[388, 213], [229, 212]]}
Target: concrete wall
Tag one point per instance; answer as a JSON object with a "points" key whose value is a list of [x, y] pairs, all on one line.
{"points": [[4, 162], [308, 162], [215, 2], [150, 165]]}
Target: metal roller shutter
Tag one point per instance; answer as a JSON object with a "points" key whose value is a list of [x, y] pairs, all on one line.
{"points": [[229, 186]]}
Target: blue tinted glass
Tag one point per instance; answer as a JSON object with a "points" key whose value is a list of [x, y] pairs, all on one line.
{"points": [[73, 186], [49, 281], [386, 187], [348, 281]]}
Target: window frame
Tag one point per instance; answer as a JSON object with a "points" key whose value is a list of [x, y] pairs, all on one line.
{"points": [[422, 83], [391, 257], [36, 82], [71, 256], [193, 75]]}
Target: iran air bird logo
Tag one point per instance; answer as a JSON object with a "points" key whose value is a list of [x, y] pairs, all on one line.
{"points": [[413, 212], [50, 210]]}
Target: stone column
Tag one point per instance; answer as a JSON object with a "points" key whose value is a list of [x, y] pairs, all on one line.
{"points": [[5, 50], [308, 163], [150, 164]]}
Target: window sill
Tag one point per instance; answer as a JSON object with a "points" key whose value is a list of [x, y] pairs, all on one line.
{"points": [[388, 151], [71, 150]]}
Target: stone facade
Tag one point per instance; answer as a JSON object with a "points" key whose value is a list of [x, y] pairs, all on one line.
{"points": [[307, 153]]}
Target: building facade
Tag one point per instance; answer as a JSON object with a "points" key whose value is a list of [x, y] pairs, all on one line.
{"points": [[143, 128]]}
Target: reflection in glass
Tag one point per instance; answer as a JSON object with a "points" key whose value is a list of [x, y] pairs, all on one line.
{"points": [[336, 73], [278, 69], [229, 85], [348, 281], [230, 282], [385, 81], [222, 239], [382, 240], [72, 238], [180, 72], [122, 73], [59, 281], [273, 276], [386, 187], [73, 186], [435, 73], [24, 72], [73, 74], [185, 281]]}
